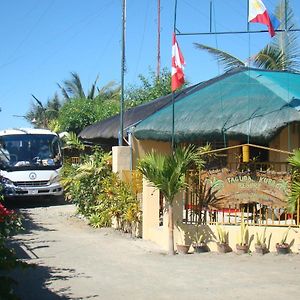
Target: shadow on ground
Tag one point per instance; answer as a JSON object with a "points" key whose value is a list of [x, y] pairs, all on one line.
{"points": [[37, 201], [32, 283], [29, 225]]}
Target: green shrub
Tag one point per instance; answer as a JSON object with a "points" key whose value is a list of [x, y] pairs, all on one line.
{"points": [[99, 194], [10, 223]]}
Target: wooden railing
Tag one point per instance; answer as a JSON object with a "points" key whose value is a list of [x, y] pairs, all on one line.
{"points": [[253, 214], [203, 206]]}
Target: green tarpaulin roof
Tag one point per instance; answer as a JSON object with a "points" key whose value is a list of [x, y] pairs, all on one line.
{"points": [[108, 129], [241, 103]]}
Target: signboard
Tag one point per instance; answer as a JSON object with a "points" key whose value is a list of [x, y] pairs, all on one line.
{"points": [[230, 188]]}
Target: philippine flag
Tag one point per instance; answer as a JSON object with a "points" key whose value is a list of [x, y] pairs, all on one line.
{"points": [[259, 14]]}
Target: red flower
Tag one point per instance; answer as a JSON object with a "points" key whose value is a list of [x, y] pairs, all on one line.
{"points": [[4, 211]]}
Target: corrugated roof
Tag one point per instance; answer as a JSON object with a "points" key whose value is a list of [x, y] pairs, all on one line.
{"points": [[242, 103]]}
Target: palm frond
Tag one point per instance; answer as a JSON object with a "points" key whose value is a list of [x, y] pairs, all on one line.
{"points": [[167, 172], [270, 58], [64, 92], [91, 93], [294, 160], [38, 101], [74, 86], [72, 141], [293, 196], [228, 61]]}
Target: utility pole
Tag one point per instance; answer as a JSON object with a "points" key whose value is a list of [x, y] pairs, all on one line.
{"points": [[158, 39], [121, 133]]}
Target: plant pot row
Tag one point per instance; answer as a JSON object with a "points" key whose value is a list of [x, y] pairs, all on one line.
{"points": [[240, 249]]}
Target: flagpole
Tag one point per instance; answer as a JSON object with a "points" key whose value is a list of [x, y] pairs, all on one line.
{"points": [[248, 27], [158, 40], [173, 100], [121, 133]]}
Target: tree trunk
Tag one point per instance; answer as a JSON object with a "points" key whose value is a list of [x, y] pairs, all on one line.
{"points": [[171, 229]]}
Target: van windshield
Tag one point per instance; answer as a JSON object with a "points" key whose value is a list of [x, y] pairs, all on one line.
{"points": [[30, 151]]}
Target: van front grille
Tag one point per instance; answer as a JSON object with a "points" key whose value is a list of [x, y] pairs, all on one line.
{"points": [[31, 183]]}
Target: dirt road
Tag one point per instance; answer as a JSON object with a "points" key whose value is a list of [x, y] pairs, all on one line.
{"points": [[74, 261]]}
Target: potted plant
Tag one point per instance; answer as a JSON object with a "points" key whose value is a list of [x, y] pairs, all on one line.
{"points": [[260, 245], [222, 243], [199, 244], [283, 247], [242, 246], [182, 248]]}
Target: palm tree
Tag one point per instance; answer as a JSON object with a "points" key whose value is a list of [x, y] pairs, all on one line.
{"points": [[281, 54], [73, 88], [167, 173], [294, 195], [40, 115]]}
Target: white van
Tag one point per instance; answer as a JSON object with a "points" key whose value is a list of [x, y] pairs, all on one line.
{"points": [[30, 161]]}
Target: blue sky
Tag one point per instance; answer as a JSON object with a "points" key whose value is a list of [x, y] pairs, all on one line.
{"points": [[43, 41]]}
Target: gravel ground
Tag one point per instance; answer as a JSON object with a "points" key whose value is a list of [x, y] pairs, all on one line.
{"points": [[75, 261]]}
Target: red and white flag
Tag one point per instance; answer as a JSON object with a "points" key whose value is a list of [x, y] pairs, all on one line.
{"points": [[177, 65]]}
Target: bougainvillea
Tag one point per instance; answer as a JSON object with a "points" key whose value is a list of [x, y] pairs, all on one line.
{"points": [[10, 223]]}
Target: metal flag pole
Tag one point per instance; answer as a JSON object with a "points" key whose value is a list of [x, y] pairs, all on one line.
{"points": [[121, 133], [173, 100], [158, 40]]}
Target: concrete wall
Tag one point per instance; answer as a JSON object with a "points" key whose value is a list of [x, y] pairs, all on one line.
{"points": [[185, 233], [140, 148], [121, 159], [151, 227]]}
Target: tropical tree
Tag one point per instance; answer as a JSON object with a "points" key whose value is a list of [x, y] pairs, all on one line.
{"points": [[77, 114], [281, 54], [150, 88], [73, 89], [167, 173], [41, 115]]}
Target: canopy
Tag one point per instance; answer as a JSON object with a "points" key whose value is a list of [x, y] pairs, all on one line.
{"points": [[239, 104]]}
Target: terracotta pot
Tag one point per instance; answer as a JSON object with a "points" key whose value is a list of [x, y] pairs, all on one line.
{"points": [[242, 249], [261, 249], [200, 248], [224, 248], [282, 248], [183, 249]]}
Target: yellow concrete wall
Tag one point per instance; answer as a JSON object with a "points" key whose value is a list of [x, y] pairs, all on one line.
{"points": [[151, 229], [121, 159], [150, 206], [141, 147], [273, 234]]}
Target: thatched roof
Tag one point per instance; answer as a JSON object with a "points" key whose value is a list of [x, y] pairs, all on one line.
{"points": [[108, 129], [240, 103]]}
